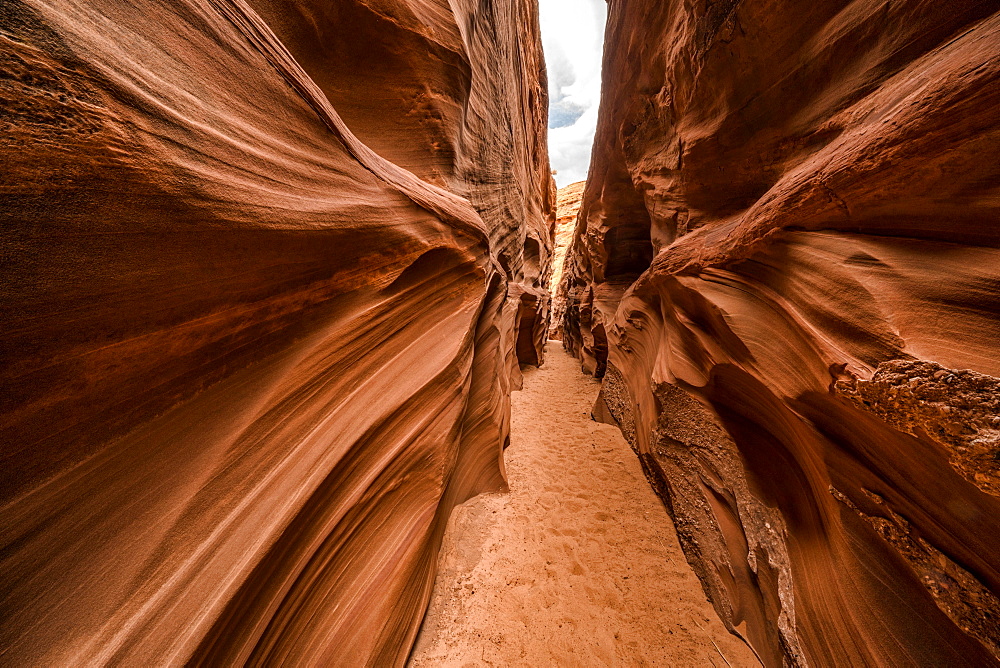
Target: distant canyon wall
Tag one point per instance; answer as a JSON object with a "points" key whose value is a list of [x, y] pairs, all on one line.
{"points": [[269, 269], [787, 273], [568, 200]]}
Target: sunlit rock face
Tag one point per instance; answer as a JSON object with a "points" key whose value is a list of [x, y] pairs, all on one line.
{"points": [[787, 273], [269, 269], [567, 206]]}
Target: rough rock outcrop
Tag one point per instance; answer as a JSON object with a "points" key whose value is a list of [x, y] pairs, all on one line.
{"points": [[266, 267], [568, 201], [787, 272]]}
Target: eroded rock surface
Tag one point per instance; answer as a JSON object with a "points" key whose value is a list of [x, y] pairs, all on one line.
{"points": [[269, 269], [787, 273]]}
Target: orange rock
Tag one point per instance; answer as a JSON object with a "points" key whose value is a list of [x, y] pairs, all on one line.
{"points": [[788, 240], [268, 271]]}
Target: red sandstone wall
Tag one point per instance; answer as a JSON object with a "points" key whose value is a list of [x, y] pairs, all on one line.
{"points": [[787, 272], [568, 200], [266, 266]]}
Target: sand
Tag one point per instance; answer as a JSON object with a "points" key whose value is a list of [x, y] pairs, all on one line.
{"points": [[578, 564]]}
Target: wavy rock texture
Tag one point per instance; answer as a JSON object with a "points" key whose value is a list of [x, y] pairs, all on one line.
{"points": [[269, 269], [787, 272], [568, 201]]}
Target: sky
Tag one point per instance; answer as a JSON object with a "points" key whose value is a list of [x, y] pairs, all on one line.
{"points": [[573, 39]]}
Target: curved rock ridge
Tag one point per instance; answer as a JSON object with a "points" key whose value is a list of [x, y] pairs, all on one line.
{"points": [[269, 271], [787, 273], [568, 201]]}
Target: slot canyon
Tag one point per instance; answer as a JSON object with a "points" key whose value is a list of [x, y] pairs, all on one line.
{"points": [[275, 274]]}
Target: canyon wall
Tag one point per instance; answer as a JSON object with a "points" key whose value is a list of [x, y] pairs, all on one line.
{"points": [[568, 200], [269, 270], [787, 272]]}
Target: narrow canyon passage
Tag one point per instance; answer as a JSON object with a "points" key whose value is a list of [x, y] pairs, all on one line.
{"points": [[578, 564], [271, 269]]}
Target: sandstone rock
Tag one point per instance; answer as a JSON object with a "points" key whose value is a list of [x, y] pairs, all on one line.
{"points": [[790, 229], [266, 267], [567, 206]]}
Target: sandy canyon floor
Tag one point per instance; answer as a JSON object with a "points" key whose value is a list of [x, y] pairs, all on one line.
{"points": [[578, 564]]}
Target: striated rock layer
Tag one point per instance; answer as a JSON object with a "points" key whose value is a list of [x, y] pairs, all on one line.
{"points": [[567, 206], [787, 272], [269, 269]]}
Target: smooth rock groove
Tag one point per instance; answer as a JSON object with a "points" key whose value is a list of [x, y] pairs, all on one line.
{"points": [[578, 564]]}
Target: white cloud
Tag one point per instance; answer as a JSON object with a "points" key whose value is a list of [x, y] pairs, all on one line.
{"points": [[573, 39]]}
